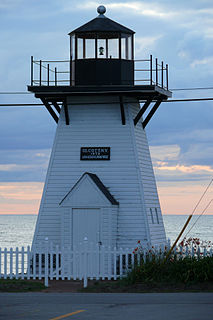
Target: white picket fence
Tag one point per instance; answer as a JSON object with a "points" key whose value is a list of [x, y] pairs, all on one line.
{"points": [[87, 261]]}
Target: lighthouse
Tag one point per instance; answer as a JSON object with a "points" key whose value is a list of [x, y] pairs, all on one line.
{"points": [[100, 183]]}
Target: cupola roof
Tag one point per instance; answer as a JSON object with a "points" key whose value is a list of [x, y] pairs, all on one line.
{"points": [[102, 24]]}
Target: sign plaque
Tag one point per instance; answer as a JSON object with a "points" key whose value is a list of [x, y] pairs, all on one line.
{"points": [[95, 153]]}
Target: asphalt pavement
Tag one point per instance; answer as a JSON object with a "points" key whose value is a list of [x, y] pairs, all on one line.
{"points": [[99, 306]]}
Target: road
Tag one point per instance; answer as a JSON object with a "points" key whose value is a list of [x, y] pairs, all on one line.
{"points": [[99, 306]]}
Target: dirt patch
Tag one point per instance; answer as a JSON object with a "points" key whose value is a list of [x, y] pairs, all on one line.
{"points": [[104, 286], [117, 287], [64, 286]]}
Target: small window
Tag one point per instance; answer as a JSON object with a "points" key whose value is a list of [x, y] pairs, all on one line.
{"points": [[151, 213], [156, 213]]}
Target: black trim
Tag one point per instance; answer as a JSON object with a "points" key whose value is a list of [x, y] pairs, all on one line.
{"points": [[141, 91], [99, 184], [123, 118], [102, 187], [66, 112], [142, 110], [55, 104], [151, 113], [51, 111]]}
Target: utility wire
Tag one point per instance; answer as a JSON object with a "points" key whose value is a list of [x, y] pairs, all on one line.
{"points": [[191, 99], [88, 103], [199, 216], [187, 222], [202, 196], [16, 92], [190, 89], [190, 216], [173, 89]]}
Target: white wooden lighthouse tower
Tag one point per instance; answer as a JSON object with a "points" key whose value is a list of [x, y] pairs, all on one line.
{"points": [[100, 182]]}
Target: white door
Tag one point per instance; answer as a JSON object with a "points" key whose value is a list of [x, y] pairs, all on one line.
{"points": [[86, 223]]}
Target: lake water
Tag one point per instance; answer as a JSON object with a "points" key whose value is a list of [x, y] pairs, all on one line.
{"points": [[18, 230]]}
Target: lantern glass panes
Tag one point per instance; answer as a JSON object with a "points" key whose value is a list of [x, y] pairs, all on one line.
{"points": [[113, 49], [90, 48], [72, 45], [129, 48], [123, 48], [80, 48], [101, 47]]}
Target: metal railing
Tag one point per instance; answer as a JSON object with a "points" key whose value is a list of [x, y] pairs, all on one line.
{"points": [[44, 73], [58, 72], [156, 73]]}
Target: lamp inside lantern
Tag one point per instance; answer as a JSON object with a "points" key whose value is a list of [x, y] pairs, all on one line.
{"points": [[101, 51]]}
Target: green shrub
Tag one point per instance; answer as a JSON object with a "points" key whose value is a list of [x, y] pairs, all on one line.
{"points": [[187, 270]]}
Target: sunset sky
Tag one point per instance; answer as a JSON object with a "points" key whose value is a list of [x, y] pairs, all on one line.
{"points": [[180, 134]]}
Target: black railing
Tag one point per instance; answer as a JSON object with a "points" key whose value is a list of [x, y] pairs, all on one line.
{"points": [[147, 72], [43, 73], [159, 75]]}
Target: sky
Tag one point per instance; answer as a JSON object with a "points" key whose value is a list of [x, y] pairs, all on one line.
{"points": [[180, 134]]}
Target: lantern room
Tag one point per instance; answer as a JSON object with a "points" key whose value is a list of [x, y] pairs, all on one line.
{"points": [[102, 53]]}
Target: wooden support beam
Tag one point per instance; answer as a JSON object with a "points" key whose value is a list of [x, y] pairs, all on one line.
{"points": [[123, 118], [142, 110], [67, 118], [151, 113], [58, 109], [49, 108]]}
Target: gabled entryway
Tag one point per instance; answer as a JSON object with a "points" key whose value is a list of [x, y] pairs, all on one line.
{"points": [[89, 211]]}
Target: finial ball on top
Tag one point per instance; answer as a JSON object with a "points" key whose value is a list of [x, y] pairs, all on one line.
{"points": [[101, 9]]}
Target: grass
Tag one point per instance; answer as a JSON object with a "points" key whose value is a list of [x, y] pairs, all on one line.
{"points": [[175, 275], [160, 287], [13, 285], [187, 271]]}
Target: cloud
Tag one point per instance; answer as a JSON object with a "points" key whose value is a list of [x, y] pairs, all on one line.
{"points": [[139, 8], [181, 197], [206, 61], [21, 190], [16, 167], [8, 4], [23, 165], [170, 162], [197, 152], [143, 45], [165, 152], [20, 197], [182, 168]]}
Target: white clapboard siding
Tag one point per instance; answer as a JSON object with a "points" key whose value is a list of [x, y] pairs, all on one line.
{"points": [[157, 231], [128, 175]]}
